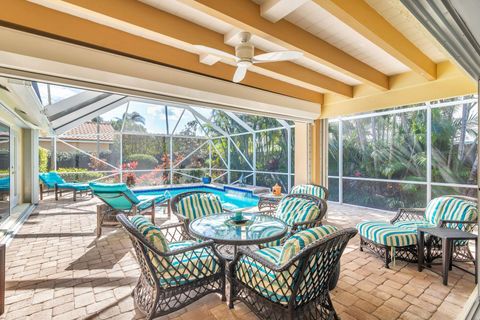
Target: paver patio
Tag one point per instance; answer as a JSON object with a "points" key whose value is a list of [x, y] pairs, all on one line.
{"points": [[56, 268]]}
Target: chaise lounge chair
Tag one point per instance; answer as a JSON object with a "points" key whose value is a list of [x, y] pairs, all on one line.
{"points": [[118, 198], [397, 239], [52, 180]]}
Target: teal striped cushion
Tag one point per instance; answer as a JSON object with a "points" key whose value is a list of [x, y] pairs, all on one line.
{"points": [[414, 224], [309, 189], [155, 236], [387, 234], [433, 210], [459, 209], [190, 266], [272, 285], [199, 205], [294, 210], [300, 240]]}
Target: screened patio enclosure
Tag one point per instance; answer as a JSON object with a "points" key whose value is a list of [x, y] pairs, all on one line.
{"points": [[405, 156], [98, 136]]}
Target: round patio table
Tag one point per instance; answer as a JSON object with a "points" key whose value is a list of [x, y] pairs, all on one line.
{"points": [[257, 229]]}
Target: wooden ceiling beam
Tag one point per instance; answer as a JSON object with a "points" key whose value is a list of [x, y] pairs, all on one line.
{"points": [[142, 19], [275, 10], [26, 16], [369, 23], [245, 15]]}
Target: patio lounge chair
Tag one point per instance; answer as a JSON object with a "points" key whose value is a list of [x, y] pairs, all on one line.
{"points": [[4, 187], [313, 189], [299, 212], [290, 281], [191, 205], [397, 239], [52, 180], [118, 198], [175, 270]]}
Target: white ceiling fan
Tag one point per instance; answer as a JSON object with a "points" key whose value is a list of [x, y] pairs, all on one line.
{"points": [[244, 58]]}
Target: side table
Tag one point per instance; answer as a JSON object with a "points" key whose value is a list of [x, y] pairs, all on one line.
{"points": [[448, 236], [269, 200]]}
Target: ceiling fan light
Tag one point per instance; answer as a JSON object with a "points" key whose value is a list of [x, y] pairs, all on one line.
{"points": [[244, 63]]}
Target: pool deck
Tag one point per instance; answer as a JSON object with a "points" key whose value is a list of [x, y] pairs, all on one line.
{"points": [[57, 269]]}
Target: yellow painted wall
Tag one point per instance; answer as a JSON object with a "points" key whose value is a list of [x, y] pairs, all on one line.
{"points": [[405, 89]]}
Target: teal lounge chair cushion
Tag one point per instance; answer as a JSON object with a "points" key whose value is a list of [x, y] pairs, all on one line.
{"points": [[51, 178], [120, 197], [74, 186]]}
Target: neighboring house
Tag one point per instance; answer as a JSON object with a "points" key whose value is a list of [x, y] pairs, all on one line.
{"points": [[85, 138]]}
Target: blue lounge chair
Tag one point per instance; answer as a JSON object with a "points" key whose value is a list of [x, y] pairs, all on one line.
{"points": [[52, 180], [118, 198], [4, 187]]}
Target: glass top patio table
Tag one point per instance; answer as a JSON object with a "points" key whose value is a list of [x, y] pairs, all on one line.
{"points": [[258, 228]]}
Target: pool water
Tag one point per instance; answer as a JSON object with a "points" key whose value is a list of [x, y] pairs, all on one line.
{"points": [[231, 198]]}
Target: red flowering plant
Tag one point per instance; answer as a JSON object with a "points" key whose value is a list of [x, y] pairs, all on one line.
{"points": [[130, 176]]}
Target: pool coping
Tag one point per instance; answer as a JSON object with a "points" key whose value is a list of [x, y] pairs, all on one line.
{"points": [[220, 187]]}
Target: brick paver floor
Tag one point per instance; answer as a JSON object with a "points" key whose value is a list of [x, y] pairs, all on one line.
{"points": [[56, 268]]}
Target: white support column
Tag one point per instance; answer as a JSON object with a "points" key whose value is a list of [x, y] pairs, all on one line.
{"points": [[429, 152], [289, 158], [254, 160], [54, 153], [229, 179], [121, 157], [340, 161], [171, 160], [210, 157]]}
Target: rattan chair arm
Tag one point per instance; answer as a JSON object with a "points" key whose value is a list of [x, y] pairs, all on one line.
{"points": [[403, 213], [312, 223]]}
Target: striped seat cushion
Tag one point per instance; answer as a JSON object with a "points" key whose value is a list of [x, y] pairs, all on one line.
{"points": [[295, 210], [301, 239], [276, 286], [155, 236], [199, 205], [270, 284], [414, 224], [189, 266], [458, 209], [433, 211], [382, 232], [309, 189]]}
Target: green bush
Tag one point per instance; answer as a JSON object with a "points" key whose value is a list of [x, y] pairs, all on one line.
{"points": [[145, 161], [78, 174], [42, 159]]}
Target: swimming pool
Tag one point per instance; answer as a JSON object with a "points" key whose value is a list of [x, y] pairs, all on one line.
{"points": [[232, 198]]}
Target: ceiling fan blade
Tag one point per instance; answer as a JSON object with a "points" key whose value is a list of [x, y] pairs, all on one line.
{"points": [[215, 52], [239, 74], [277, 56]]}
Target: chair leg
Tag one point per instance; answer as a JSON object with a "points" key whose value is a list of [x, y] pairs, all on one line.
{"points": [[41, 191], [387, 257], [99, 222], [361, 244], [56, 193], [153, 212], [74, 195]]}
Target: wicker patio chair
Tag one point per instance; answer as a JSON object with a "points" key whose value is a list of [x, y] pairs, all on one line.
{"points": [[175, 270], [397, 239], [299, 212], [190, 205], [313, 189], [292, 281]]}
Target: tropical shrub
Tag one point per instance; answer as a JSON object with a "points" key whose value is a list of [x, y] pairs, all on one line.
{"points": [[144, 161]]}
